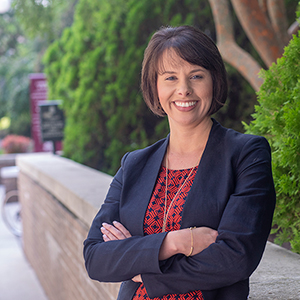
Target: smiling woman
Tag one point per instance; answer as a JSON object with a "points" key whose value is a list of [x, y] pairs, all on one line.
{"points": [[185, 92], [188, 217], [193, 47]]}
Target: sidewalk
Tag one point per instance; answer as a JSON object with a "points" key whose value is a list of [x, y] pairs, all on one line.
{"points": [[17, 279], [277, 277]]}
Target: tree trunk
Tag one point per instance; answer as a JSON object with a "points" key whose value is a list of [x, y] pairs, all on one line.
{"points": [[277, 14], [264, 22], [258, 29], [231, 52]]}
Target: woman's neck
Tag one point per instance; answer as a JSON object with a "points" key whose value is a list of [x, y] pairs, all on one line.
{"points": [[186, 145]]}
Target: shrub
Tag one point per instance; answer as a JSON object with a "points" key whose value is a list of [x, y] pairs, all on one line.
{"points": [[278, 119], [16, 144], [95, 69]]}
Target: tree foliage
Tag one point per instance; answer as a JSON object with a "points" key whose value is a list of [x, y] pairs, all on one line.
{"points": [[10, 34], [15, 64], [44, 18], [25, 33], [278, 118], [95, 69]]}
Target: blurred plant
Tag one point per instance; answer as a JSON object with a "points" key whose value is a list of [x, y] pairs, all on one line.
{"points": [[18, 59], [95, 69], [278, 119], [44, 18], [16, 144], [25, 33]]}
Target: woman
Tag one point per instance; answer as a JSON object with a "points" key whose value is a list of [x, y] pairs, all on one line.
{"points": [[188, 217]]}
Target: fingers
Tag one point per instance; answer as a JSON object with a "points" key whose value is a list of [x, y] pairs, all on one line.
{"points": [[111, 233], [122, 229], [114, 232], [105, 238]]}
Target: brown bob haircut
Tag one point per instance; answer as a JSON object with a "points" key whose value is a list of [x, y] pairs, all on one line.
{"points": [[195, 47]]}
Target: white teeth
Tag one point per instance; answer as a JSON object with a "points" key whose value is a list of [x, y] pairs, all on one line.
{"points": [[185, 104]]}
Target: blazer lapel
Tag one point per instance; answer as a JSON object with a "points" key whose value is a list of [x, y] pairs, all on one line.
{"points": [[198, 207], [142, 189]]}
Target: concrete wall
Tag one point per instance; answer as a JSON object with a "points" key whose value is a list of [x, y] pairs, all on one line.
{"points": [[59, 200]]}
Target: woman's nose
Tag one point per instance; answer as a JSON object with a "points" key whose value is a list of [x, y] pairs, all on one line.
{"points": [[184, 89]]}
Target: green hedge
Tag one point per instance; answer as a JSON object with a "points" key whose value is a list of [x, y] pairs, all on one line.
{"points": [[278, 119], [95, 69]]}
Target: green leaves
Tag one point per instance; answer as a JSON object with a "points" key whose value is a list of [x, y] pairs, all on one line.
{"points": [[95, 69], [44, 18], [16, 62], [278, 119]]}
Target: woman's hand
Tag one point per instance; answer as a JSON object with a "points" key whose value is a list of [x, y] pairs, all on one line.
{"points": [[180, 241], [117, 232], [114, 232], [202, 237]]}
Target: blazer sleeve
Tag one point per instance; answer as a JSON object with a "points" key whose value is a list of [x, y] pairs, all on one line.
{"points": [[121, 260], [242, 233]]}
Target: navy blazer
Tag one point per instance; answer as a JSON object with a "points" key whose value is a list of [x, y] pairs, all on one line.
{"points": [[233, 193]]}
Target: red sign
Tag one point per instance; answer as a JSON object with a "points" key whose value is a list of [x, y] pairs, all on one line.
{"points": [[38, 92]]}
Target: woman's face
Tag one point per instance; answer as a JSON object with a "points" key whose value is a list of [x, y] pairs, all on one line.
{"points": [[185, 91]]}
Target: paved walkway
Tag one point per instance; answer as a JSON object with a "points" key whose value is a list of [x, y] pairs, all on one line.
{"points": [[17, 279], [277, 277]]}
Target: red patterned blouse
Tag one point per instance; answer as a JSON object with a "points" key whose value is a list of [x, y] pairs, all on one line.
{"points": [[153, 221]]}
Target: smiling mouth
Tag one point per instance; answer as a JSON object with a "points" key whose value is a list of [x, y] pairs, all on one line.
{"points": [[185, 103]]}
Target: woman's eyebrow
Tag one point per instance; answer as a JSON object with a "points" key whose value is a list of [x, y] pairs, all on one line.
{"points": [[166, 72], [198, 70], [173, 72]]}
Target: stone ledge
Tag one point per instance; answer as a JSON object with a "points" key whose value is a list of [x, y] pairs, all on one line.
{"points": [[79, 188]]}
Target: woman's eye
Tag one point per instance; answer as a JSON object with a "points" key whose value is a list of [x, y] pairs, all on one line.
{"points": [[171, 78], [197, 77]]}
